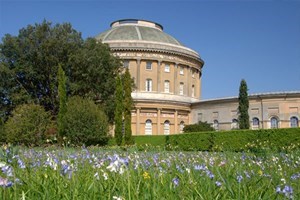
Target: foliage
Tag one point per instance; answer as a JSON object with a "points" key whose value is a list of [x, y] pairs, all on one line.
{"points": [[2, 134], [113, 174], [29, 64], [28, 125], [243, 106], [93, 75], [62, 95], [85, 122], [30, 61], [128, 105], [234, 140], [119, 112], [199, 127]]}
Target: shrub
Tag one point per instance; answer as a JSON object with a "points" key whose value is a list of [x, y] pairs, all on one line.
{"points": [[27, 125], [255, 141], [85, 122], [2, 136], [201, 126]]}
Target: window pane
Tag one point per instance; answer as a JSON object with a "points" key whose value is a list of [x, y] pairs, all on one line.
{"points": [[181, 126], [167, 86], [148, 85], [167, 68], [149, 65], [181, 89], [181, 70], [148, 127], [274, 122], [125, 63], [167, 128], [294, 122]]}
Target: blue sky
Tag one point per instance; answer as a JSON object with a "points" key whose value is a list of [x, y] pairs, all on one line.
{"points": [[258, 41]]}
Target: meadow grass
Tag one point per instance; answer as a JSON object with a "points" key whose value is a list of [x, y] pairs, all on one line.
{"points": [[101, 173]]}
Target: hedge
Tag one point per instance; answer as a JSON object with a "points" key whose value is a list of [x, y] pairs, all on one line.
{"points": [[235, 140]]}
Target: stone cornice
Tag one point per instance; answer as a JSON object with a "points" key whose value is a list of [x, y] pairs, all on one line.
{"points": [[162, 98], [148, 46]]}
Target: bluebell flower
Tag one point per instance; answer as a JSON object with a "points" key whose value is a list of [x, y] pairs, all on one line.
{"points": [[278, 189], [175, 181], [218, 183], [239, 178], [5, 182], [288, 191]]}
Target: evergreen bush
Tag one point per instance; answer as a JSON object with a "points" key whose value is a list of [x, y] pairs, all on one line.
{"points": [[27, 125], [85, 122], [199, 127]]}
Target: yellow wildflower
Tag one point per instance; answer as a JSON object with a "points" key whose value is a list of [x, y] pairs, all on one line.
{"points": [[146, 175]]}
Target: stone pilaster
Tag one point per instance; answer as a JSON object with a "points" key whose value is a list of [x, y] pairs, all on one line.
{"points": [[138, 73], [175, 78], [138, 121], [158, 121], [176, 122], [158, 76]]}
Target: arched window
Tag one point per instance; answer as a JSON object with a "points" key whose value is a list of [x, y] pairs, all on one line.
{"points": [[274, 122], [181, 126], [255, 123], [216, 125], [234, 124], [148, 127], [167, 86], [193, 91], [167, 127], [148, 85], [294, 122]]}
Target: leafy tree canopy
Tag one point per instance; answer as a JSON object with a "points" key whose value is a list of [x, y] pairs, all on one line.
{"points": [[30, 60]]}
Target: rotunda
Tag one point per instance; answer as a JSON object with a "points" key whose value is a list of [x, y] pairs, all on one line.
{"points": [[167, 75]]}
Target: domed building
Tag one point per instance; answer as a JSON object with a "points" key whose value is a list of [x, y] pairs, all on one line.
{"points": [[167, 76]]}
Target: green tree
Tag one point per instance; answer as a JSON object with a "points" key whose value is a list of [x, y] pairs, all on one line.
{"points": [[31, 60], [119, 111], [85, 122], [93, 74], [27, 125], [62, 95], [128, 104], [29, 64], [243, 106]]}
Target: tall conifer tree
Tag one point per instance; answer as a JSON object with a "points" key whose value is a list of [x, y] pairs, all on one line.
{"points": [[119, 111], [128, 103], [62, 95], [243, 106]]}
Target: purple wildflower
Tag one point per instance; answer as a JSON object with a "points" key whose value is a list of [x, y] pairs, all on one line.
{"points": [[288, 191], [218, 183], [175, 181], [239, 178], [5, 182]]}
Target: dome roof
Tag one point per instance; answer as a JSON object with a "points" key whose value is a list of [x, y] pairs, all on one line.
{"points": [[137, 30]]}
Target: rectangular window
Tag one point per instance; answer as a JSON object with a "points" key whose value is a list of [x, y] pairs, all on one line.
{"points": [[181, 89], [167, 86], [149, 65], [167, 68], [193, 73], [148, 85], [199, 117], [181, 70], [126, 63]]}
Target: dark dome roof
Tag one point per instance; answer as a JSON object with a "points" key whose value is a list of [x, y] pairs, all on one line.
{"points": [[137, 30]]}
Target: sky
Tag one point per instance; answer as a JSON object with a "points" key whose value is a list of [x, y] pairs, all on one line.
{"points": [[255, 40]]}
